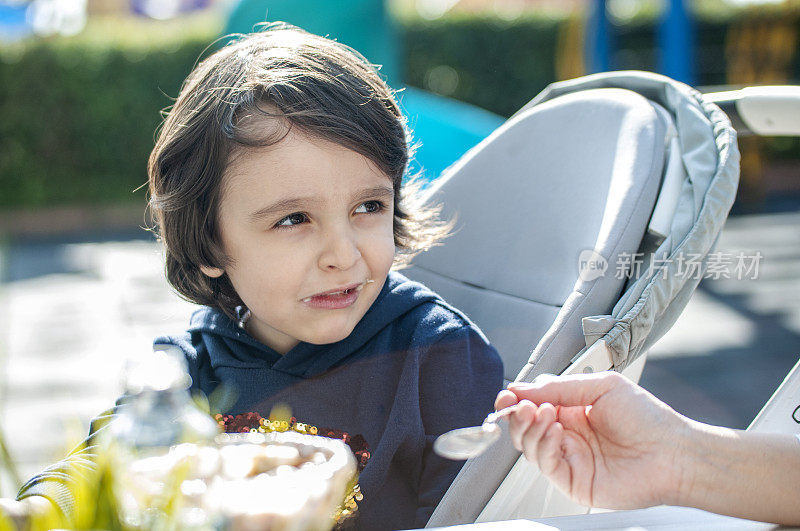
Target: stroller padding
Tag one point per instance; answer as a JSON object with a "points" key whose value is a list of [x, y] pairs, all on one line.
{"points": [[594, 205], [577, 173]]}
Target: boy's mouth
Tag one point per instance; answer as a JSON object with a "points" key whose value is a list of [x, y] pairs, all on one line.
{"points": [[336, 298]]}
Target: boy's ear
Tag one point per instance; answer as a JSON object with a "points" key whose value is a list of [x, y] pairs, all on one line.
{"points": [[213, 272]]}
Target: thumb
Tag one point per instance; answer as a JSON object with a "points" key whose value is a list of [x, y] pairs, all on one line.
{"points": [[573, 390]]}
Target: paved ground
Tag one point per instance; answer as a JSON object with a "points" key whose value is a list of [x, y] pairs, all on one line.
{"points": [[737, 339], [72, 311]]}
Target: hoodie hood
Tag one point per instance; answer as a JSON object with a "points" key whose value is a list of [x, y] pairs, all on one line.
{"points": [[228, 345]]}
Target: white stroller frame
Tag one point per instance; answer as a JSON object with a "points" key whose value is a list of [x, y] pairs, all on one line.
{"points": [[655, 175]]}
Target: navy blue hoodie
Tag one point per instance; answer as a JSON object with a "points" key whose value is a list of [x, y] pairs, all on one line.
{"points": [[413, 368]]}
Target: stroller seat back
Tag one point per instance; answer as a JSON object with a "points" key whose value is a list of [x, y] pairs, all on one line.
{"points": [[541, 206], [575, 222]]}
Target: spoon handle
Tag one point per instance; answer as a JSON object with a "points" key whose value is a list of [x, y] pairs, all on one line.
{"points": [[492, 418]]}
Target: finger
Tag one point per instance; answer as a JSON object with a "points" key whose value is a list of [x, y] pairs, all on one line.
{"points": [[519, 422], [545, 417], [505, 399], [574, 419], [574, 390], [549, 450]]}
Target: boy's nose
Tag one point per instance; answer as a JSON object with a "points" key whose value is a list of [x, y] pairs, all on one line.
{"points": [[340, 250]]}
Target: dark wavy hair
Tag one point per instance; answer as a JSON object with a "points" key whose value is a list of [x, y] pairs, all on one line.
{"points": [[324, 89]]}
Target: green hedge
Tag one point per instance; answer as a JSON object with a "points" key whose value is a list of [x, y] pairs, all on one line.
{"points": [[79, 114], [500, 64]]}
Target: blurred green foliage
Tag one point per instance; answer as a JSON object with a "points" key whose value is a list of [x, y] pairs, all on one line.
{"points": [[80, 113], [636, 45], [500, 64]]}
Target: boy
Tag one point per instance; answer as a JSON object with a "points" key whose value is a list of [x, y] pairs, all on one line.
{"points": [[276, 187]]}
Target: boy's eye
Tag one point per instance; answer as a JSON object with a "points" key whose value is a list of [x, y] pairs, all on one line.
{"points": [[292, 219], [369, 207]]}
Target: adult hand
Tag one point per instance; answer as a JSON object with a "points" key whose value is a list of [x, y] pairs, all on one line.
{"points": [[599, 438]]}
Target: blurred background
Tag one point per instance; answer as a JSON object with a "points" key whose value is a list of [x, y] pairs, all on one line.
{"points": [[83, 84]]}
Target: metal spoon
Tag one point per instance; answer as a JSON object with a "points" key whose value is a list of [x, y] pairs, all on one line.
{"points": [[464, 443]]}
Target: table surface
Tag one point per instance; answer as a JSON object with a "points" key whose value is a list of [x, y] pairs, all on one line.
{"points": [[655, 518]]}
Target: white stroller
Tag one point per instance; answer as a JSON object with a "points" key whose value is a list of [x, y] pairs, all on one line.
{"points": [[583, 224]]}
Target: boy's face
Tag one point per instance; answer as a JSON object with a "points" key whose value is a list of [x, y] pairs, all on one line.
{"points": [[308, 227]]}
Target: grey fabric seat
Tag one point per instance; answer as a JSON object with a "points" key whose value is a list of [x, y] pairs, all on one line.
{"points": [[542, 189], [549, 211]]}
